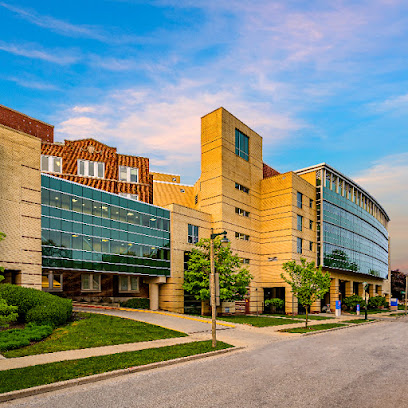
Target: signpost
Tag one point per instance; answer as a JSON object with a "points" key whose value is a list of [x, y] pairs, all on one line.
{"points": [[338, 308]]}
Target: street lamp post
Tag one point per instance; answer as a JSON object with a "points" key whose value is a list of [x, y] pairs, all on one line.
{"points": [[224, 240]]}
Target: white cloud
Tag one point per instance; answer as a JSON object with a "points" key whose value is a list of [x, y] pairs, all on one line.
{"points": [[165, 125], [386, 181], [34, 51], [394, 103], [68, 29]]}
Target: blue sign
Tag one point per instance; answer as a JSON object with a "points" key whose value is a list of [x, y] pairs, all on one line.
{"points": [[358, 308], [394, 302], [338, 304]]}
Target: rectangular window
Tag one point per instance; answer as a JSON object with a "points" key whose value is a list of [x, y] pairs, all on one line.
{"points": [[299, 199], [310, 224], [192, 237], [299, 245], [241, 145], [241, 188], [299, 222], [131, 196], [245, 260], [129, 174], [51, 164], [128, 284], [239, 235], [242, 212], [91, 282], [310, 203], [89, 168], [310, 246], [52, 282]]}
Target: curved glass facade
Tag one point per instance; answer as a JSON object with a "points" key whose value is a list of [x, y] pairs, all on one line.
{"points": [[88, 229], [352, 238]]}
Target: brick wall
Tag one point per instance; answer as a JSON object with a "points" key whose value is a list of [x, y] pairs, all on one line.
{"points": [[20, 206], [26, 124], [89, 149]]}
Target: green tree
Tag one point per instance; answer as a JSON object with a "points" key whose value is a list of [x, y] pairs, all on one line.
{"points": [[234, 279], [308, 283], [8, 313]]}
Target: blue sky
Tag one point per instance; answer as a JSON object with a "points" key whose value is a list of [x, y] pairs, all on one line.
{"points": [[319, 81]]}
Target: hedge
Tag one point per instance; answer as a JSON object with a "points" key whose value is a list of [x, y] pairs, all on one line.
{"points": [[36, 306], [16, 338], [137, 303]]}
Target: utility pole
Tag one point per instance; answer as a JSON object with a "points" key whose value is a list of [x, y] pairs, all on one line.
{"points": [[224, 240]]}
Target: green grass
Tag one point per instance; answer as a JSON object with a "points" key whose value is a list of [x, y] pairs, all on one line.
{"points": [[95, 330], [258, 321], [371, 311], [32, 376], [312, 317], [357, 321], [317, 327]]}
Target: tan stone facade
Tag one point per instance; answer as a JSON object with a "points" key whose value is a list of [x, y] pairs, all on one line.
{"points": [[20, 207], [259, 209]]}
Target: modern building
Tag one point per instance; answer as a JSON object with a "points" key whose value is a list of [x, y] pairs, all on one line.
{"points": [[86, 222], [83, 227], [96, 244], [272, 218]]}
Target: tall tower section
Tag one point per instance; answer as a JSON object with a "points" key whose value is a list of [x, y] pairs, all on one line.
{"points": [[230, 187]]}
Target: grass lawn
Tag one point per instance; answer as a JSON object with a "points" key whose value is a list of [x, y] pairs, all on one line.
{"points": [[317, 327], [312, 317], [371, 311], [258, 321], [95, 330], [357, 321], [27, 377]]}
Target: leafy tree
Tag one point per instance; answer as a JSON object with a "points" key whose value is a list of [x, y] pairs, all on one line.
{"points": [[234, 279], [308, 283], [397, 284]]}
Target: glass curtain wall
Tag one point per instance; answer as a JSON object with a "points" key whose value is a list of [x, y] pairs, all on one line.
{"points": [[88, 229]]}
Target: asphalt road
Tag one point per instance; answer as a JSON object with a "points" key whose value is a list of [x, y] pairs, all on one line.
{"points": [[358, 367]]}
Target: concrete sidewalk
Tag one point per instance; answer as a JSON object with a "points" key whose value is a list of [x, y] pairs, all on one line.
{"points": [[198, 328], [18, 362]]}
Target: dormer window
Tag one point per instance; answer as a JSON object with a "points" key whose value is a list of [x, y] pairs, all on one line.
{"points": [[52, 164], [89, 168], [129, 174]]}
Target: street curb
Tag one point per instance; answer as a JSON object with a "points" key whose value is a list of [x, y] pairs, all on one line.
{"points": [[346, 326], [41, 389]]}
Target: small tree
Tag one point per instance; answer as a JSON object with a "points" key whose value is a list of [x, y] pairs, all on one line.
{"points": [[234, 279], [308, 283]]}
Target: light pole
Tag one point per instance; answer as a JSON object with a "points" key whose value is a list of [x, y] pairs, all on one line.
{"points": [[224, 240]]}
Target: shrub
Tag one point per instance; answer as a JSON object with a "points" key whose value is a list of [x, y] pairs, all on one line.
{"points": [[137, 303], [352, 301], [16, 338], [37, 306], [276, 302], [376, 301], [8, 313]]}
